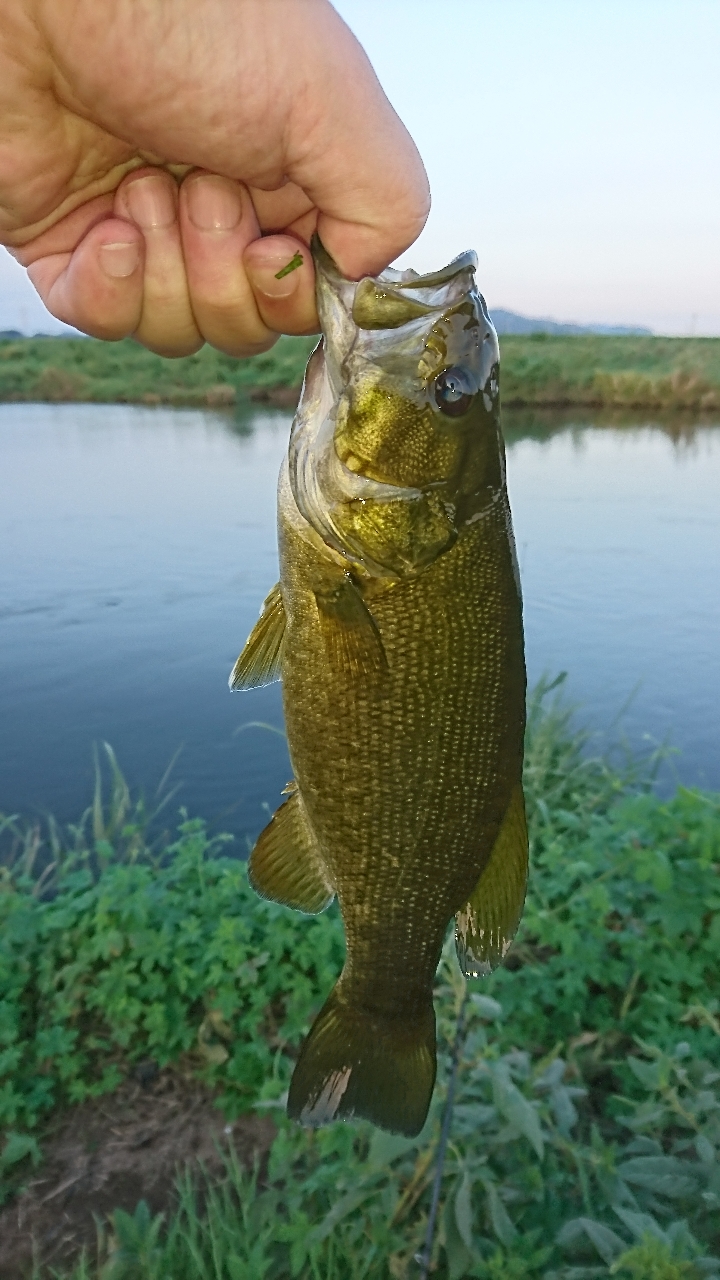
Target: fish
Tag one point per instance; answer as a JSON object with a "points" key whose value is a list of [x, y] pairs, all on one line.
{"points": [[396, 629]]}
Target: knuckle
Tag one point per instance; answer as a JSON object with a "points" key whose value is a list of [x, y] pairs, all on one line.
{"points": [[241, 325], [171, 349], [242, 346]]}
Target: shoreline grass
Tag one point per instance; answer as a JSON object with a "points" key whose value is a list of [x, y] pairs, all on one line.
{"points": [[543, 370], [586, 1136]]}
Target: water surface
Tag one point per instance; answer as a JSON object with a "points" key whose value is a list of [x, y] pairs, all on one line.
{"points": [[618, 533], [136, 547]]}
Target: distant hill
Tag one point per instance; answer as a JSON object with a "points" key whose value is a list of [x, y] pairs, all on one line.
{"points": [[504, 321], [66, 332], [510, 322]]}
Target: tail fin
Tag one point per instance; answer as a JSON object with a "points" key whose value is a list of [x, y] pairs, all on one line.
{"points": [[363, 1064]]}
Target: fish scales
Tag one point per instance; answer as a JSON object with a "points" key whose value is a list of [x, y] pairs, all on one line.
{"points": [[398, 768], [403, 684]]}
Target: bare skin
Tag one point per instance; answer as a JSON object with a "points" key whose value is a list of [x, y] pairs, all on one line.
{"points": [[162, 160]]}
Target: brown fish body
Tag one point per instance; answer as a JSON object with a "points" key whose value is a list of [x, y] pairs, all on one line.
{"points": [[403, 692]]}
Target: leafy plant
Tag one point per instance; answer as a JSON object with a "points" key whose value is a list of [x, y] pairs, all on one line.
{"points": [[535, 1184], [586, 1133], [621, 932], [170, 962]]}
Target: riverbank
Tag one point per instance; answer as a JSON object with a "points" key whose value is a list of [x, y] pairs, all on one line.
{"points": [[650, 373], [144, 977]]}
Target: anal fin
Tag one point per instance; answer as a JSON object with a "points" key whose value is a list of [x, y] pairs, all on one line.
{"points": [[259, 662], [486, 925], [286, 864], [352, 640]]}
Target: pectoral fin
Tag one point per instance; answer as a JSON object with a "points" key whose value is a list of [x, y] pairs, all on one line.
{"points": [[487, 923], [259, 662], [352, 640], [286, 864]]}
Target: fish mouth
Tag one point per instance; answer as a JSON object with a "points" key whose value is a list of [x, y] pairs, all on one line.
{"points": [[375, 335], [395, 297], [391, 299]]}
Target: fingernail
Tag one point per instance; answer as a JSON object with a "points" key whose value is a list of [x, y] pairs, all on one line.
{"points": [[119, 260], [151, 203], [213, 204], [272, 279]]}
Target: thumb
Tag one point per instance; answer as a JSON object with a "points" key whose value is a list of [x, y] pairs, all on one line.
{"points": [[357, 163]]}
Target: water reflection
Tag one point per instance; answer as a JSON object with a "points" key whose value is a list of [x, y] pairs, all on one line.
{"points": [[541, 424], [137, 546]]}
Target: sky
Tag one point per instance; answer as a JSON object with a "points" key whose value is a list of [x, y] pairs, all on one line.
{"points": [[573, 143]]}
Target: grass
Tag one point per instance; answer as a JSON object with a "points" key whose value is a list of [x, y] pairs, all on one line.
{"points": [[586, 1132], [612, 372], [84, 369], [539, 369]]}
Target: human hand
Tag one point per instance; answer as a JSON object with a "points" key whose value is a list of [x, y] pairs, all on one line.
{"points": [[161, 162]]}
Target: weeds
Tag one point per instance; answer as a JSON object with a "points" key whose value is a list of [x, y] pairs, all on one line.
{"points": [[612, 372], [586, 1131], [534, 1185], [85, 369]]}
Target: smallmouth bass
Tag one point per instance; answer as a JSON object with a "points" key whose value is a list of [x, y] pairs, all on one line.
{"points": [[397, 630]]}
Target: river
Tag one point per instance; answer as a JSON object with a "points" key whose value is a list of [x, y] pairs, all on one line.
{"points": [[136, 546]]}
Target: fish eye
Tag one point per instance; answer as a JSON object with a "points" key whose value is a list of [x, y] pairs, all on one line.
{"points": [[454, 392]]}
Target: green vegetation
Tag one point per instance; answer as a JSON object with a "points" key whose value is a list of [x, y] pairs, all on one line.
{"points": [[586, 1132], [615, 373], [539, 369], [295, 262], [83, 369]]}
